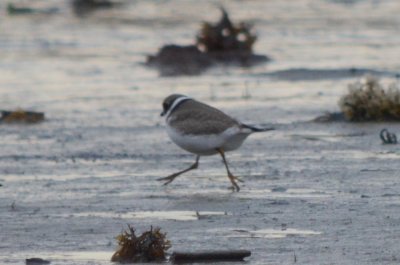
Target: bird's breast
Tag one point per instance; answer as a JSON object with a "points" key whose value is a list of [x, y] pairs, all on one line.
{"points": [[206, 144]]}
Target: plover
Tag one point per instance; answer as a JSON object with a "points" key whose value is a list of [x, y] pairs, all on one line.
{"points": [[203, 130]]}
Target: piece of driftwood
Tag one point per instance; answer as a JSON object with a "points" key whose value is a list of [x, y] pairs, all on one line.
{"points": [[13, 9], [85, 7], [36, 261], [209, 256], [21, 116]]}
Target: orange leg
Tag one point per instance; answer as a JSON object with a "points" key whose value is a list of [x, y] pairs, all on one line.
{"points": [[231, 177], [171, 178]]}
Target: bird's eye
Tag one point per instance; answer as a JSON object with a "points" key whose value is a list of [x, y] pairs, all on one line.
{"points": [[165, 106]]}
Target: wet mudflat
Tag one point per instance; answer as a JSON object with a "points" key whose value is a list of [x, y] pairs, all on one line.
{"points": [[331, 198], [314, 193]]}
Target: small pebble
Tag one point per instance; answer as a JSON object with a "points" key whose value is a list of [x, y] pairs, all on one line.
{"points": [[279, 189]]}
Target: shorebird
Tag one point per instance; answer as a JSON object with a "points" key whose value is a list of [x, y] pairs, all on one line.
{"points": [[203, 130]]}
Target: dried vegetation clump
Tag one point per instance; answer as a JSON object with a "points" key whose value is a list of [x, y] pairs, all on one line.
{"points": [[149, 246], [371, 101], [226, 36], [218, 43]]}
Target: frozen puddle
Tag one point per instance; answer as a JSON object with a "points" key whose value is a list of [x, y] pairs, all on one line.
{"points": [[82, 256], [271, 233], [313, 136], [361, 155], [165, 215], [316, 137], [284, 193], [65, 258]]}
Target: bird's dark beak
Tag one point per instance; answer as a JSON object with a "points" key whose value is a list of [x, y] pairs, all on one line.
{"points": [[162, 113]]}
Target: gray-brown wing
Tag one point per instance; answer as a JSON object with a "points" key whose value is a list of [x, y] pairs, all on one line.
{"points": [[196, 118]]}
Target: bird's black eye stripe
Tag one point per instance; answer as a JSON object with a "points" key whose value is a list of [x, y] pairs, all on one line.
{"points": [[165, 106]]}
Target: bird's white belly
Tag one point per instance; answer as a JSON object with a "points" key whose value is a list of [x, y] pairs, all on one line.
{"points": [[228, 140]]}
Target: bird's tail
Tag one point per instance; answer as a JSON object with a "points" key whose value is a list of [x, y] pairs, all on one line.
{"points": [[256, 129]]}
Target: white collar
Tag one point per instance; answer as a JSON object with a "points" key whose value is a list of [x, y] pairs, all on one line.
{"points": [[177, 101]]}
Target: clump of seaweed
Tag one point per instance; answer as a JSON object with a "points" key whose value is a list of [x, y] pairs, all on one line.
{"points": [[223, 43], [369, 100], [149, 246], [226, 36], [21, 116]]}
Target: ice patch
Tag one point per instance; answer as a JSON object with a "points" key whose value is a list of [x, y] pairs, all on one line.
{"points": [[270, 233], [164, 215]]}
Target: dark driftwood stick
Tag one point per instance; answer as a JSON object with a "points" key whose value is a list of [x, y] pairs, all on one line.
{"points": [[36, 261], [210, 256]]}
